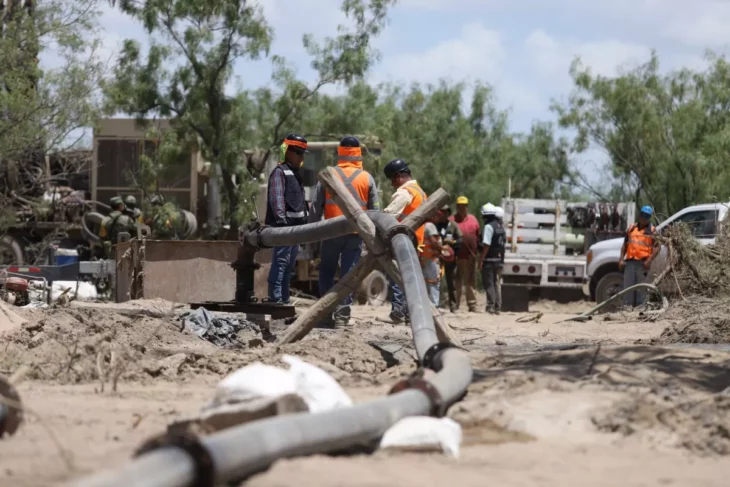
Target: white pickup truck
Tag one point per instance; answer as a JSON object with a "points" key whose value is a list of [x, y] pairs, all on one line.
{"points": [[603, 278]]}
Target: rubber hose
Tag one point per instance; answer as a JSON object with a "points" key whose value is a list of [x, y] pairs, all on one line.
{"points": [[88, 233], [588, 314], [414, 287], [298, 235]]}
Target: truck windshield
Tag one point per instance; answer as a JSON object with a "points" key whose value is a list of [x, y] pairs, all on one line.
{"points": [[702, 223]]}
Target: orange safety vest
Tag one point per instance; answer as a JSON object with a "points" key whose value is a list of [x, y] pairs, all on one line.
{"points": [[429, 251], [357, 181], [641, 242], [419, 196]]}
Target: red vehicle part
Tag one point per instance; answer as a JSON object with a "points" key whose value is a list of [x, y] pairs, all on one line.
{"points": [[16, 284]]}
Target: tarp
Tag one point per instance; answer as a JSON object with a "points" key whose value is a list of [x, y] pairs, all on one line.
{"points": [[216, 329]]}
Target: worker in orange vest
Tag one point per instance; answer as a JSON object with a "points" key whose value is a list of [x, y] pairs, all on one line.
{"points": [[345, 249], [430, 258], [407, 197], [640, 248]]}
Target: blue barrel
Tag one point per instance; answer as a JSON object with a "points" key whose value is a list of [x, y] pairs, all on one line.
{"points": [[66, 256]]}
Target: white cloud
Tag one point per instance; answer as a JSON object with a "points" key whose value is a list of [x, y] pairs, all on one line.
{"points": [[475, 55], [444, 4], [551, 58], [704, 29]]}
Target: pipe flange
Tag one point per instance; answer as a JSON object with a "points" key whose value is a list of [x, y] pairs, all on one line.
{"points": [[11, 415], [399, 229], [429, 358], [190, 443], [438, 408]]}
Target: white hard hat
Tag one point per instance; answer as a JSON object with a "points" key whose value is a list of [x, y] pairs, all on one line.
{"points": [[499, 212], [489, 209]]}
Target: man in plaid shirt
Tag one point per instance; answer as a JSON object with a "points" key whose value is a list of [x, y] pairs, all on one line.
{"points": [[286, 207]]}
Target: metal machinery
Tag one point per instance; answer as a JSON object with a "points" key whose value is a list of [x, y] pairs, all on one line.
{"points": [[245, 300]]}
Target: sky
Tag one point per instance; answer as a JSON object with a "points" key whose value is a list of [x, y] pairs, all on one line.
{"points": [[523, 48]]}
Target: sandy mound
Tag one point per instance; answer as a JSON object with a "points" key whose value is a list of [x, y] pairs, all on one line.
{"points": [[662, 396], [349, 360], [72, 345], [9, 319], [701, 426], [76, 345], [697, 320]]}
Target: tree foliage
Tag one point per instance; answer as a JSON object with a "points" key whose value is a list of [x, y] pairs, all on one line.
{"points": [[184, 75], [43, 108], [667, 135], [470, 152]]}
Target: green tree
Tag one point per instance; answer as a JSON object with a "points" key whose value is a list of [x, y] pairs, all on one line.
{"points": [[466, 152], [43, 108], [194, 47], [667, 135]]}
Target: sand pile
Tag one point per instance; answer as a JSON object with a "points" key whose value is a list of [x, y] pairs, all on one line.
{"points": [[662, 396], [74, 345], [69, 345], [697, 320], [701, 426]]}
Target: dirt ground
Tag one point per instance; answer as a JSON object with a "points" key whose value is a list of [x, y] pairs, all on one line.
{"points": [[619, 400]]}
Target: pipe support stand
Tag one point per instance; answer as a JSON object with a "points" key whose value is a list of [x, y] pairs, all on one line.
{"points": [[205, 471], [438, 407], [431, 357]]}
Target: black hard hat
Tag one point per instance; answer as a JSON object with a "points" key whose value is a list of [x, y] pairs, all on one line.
{"points": [[396, 166], [297, 139], [350, 141]]}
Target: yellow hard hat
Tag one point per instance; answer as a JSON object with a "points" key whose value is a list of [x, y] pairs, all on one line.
{"points": [[462, 200]]}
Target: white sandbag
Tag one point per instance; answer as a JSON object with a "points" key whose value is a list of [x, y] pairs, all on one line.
{"points": [[257, 380], [86, 290], [424, 433], [319, 390]]}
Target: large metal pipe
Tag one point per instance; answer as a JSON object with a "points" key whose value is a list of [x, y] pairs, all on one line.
{"points": [[244, 450], [302, 234], [247, 449]]}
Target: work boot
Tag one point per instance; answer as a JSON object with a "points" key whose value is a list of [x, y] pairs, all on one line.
{"points": [[473, 309], [342, 322], [327, 323], [453, 308], [491, 310], [397, 317], [344, 325]]}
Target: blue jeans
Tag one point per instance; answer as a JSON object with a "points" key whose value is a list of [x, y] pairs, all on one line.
{"points": [[432, 274], [398, 299], [283, 261], [634, 273], [346, 250]]}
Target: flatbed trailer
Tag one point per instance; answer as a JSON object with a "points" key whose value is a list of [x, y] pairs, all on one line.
{"points": [[546, 248]]}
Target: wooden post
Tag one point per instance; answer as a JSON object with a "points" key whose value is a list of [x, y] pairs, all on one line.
{"points": [[367, 231], [514, 226], [556, 231], [304, 324], [324, 305]]}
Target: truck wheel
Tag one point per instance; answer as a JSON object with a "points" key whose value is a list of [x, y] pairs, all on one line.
{"points": [[374, 290], [608, 286], [10, 251]]}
